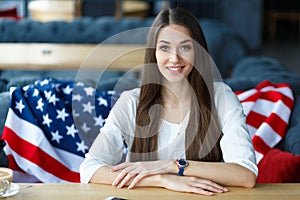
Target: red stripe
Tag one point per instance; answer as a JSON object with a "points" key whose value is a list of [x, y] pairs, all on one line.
{"points": [[277, 124], [272, 96], [12, 163], [260, 145], [255, 119], [275, 85], [39, 157]]}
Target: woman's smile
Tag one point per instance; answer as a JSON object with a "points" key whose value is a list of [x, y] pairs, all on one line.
{"points": [[177, 69]]}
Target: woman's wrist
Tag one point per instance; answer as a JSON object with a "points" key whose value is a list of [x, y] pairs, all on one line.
{"points": [[172, 167]]}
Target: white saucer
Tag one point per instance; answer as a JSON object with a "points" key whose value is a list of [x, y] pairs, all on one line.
{"points": [[14, 189]]}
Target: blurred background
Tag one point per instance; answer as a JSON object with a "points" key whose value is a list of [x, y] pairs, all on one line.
{"points": [[270, 27]]}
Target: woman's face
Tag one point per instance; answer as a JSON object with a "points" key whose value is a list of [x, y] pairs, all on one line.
{"points": [[174, 52]]}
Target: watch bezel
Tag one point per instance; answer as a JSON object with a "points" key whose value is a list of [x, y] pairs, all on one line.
{"points": [[179, 164]]}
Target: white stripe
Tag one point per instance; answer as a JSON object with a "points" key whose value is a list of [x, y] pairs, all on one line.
{"points": [[268, 135], [252, 130], [259, 156], [265, 107], [33, 169], [35, 136], [247, 106], [283, 90], [244, 95]]}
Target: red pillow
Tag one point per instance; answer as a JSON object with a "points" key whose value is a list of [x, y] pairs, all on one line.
{"points": [[9, 13], [279, 167]]}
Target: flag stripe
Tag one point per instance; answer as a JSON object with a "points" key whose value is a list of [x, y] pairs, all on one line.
{"points": [[267, 108], [32, 133], [272, 96], [37, 155], [260, 145], [268, 135]]}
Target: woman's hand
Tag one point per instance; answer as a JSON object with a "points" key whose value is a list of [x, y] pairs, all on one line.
{"points": [[191, 184], [136, 171]]}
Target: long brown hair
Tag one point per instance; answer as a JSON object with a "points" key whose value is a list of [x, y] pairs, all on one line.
{"points": [[203, 131]]}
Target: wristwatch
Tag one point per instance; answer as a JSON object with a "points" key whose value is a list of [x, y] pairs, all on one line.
{"points": [[181, 164]]}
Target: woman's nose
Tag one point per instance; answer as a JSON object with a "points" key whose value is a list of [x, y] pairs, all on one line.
{"points": [[174, 57]]}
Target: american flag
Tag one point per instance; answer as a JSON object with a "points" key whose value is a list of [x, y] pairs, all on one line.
{"points": [[267, 107], [50, 126]]}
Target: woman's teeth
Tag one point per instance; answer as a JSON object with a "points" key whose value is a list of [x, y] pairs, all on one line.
{"points": [[175, 68]]}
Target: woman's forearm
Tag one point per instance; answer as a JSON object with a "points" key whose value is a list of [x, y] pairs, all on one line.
{"points": [[105, 176], [229, 174]]}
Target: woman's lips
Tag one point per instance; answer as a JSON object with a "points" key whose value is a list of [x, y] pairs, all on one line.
{"points": [[175, 68]]}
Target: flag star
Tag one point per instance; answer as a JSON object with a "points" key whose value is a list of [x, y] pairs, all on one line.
{"points": [[89, 91], [67, 90], [53, 99], [77, 97], [99, 121], [71, 130], [85, 128], [81, 146], [61, 114], [44, 82], [40, 105], [20, 106], [102, 101], [46, 120], [35, 93], [25, 88], [47, 94], [56, 136], [88, 107]]}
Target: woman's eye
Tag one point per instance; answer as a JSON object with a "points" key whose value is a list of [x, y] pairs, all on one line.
{"points": [[186, 47], [164, 48]]}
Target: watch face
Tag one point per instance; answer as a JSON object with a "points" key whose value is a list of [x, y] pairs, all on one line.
{"points": [[182, 162]]}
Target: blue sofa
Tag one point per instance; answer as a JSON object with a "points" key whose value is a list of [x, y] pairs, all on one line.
{"points": [[226, 47]]}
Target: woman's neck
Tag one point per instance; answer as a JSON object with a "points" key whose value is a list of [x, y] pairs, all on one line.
{"points": [[176, 92], [176, 99]]}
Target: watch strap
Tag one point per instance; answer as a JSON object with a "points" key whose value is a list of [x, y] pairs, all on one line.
{"points": [[180, 172]]}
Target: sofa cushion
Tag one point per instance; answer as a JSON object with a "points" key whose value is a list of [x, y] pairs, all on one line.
{"points": [[291, 142], [279, 167], [252, 70]]}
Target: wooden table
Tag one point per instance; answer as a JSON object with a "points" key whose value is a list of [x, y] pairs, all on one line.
{"points": [[40, 56], [100, 192]]}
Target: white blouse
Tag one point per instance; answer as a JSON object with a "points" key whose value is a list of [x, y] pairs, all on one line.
{"points": [[108, 147]]}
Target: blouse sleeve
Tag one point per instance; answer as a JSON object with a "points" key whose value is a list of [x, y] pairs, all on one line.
{"points": [[108, 147], [236, 143]]}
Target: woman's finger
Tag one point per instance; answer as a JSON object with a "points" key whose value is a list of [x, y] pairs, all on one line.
{"points": [[120, 167], [136, 180], [212, 186], [120, 177]]}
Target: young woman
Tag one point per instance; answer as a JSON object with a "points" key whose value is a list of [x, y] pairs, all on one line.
{"points": [[185, 130]]}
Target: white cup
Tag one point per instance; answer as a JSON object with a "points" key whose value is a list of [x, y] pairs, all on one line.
{"points": [[6, 175]]}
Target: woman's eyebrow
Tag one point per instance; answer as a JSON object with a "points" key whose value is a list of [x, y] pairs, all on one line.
{"points": [[163, 41], [182, 42], [185, 41]]}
